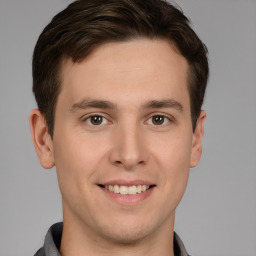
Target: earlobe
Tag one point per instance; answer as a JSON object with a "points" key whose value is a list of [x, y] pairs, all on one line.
{"points": [[41, 139], [197, 140]]}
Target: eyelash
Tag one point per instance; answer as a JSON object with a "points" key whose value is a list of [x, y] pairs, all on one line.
{"points": [[87, 119], [166, 120]]}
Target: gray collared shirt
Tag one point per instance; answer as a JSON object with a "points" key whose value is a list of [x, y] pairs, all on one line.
{"points": [[53, 239]]}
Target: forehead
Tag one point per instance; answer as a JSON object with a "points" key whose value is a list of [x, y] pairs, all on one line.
{"points": [[122, 70]]}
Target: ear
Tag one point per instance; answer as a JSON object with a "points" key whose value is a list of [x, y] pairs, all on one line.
{"points": [[197, 140], [41, 139]]}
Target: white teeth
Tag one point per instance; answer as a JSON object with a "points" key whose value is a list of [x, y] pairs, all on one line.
{"points": [[132, 190], [143, 188], [125, 190], [116, 189], [139, 189]]}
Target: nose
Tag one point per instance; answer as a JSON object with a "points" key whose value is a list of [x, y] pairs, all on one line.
{"points": [[129, 148]]}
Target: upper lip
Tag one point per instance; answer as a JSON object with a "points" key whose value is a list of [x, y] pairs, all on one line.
{"points": [[127, 182]]}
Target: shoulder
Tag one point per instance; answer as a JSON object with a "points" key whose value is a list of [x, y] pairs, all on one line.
{"points": [[52, 241], [40, 252], [179, 248]]}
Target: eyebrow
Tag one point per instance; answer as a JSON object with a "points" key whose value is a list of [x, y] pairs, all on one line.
{"points": [[103, 104], [84, 104], [168, 103]]}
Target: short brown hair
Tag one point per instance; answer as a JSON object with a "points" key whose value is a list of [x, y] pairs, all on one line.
{"points": [[86, 24]]}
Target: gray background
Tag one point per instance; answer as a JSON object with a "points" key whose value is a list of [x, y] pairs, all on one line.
{"points": [[217, 216]]}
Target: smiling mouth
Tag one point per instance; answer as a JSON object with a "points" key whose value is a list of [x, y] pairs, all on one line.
{"points": [[127, 190]]}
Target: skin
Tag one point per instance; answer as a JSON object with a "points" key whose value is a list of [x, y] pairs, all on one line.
{"points": [[128, 145]]}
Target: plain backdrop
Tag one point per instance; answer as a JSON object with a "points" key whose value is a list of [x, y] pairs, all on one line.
{"points": [[217, 216]]}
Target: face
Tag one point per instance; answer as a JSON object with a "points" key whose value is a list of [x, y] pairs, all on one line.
{"points": [[123, 142]]}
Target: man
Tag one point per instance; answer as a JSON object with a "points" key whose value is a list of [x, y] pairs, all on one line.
{"points": [[119, 86]]}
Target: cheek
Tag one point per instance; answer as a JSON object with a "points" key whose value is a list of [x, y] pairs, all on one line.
{"points": [[173, 151], [78, 157], [69, 166], [76, 163], [173, 157], [78, 154], [175, 178]]}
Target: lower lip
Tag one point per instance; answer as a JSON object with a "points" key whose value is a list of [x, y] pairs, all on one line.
{"points": [[128, 199]]}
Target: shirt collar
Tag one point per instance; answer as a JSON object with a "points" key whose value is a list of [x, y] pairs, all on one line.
{"points": [[53, 240]]}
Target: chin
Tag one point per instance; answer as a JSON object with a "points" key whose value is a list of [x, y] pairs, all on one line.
{"points": [[128, 232], [129, 235]]}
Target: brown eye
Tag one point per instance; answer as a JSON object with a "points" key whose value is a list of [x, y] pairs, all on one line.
{"points": [[158, 120], [95, 120]]}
